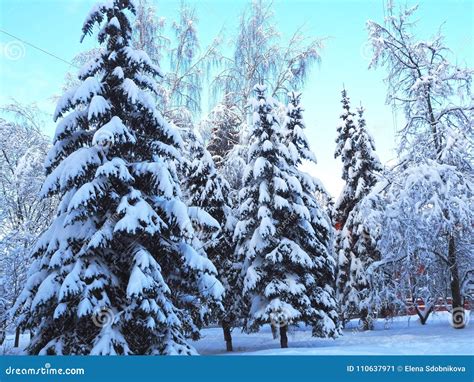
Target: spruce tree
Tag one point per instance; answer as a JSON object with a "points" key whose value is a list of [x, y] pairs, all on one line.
{"points": [[344, 205], [224, 123], [116, 271], [208, 194], [300, 151], [354, 248], [276, 243]]}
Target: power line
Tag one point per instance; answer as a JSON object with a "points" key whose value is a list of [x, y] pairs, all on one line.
{"points": [[38, 48]]}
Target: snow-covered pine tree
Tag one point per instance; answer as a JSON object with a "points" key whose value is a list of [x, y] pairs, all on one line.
{"points": [[354, 248], [223, 124], [342, 246], [364, 241], [300, 151], [206, 228], [205, 189], [208, 193], [115, 269], [294, 124], [276, 243]]}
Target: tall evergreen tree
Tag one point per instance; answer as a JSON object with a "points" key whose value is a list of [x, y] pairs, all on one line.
{"points": [[116, 271], [209, 191], [300, 151], [224, 123], [354, 247], [343, 205], [278, 247]]}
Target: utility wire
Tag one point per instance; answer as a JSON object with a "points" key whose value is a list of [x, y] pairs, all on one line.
{"points": [[38, 48]]}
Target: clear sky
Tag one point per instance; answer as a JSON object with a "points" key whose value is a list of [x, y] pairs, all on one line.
{"points": [[29, 75]]}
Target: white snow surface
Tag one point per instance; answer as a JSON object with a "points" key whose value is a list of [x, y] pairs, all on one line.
{"points": [[400, 336]]}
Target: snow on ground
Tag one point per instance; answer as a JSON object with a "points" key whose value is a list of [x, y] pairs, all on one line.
{"points": [[402, 335], [7, 346]]}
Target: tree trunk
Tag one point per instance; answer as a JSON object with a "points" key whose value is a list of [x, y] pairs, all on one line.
{"points": [[2, 336], [424, 315], [342, 319], [274, 331], [227, 336], [283, 336], [17, 337], [458, 313], [366, 321], [433, 123]]}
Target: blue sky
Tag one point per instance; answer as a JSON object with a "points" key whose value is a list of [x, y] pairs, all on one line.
{"points": [[54, 25]]}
